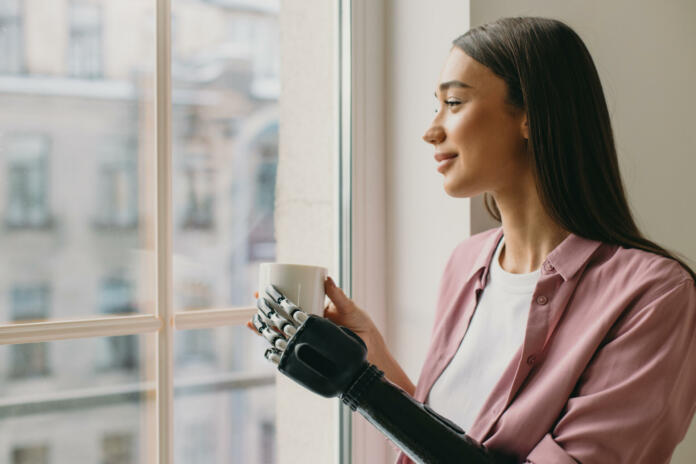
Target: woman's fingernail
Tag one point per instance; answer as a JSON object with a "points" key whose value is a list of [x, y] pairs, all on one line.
{"points": [[256, 294], [331, 282]]}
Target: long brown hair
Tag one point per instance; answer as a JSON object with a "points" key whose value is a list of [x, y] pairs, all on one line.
{"points": [[550, 74]]}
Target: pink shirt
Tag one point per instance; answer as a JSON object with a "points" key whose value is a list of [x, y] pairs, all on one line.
{"points": [[607, 369]]}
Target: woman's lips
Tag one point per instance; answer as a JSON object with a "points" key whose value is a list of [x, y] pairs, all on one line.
{"points": [[444, 160], [444, 156]]}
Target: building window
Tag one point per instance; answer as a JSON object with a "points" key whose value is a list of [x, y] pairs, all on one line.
{"points": [[11, 43], [27, 182], [267, 442], [118, 188], [85, 43], [30, 455], [199, 203], [261, 240], [195, 346], [200, 443], [118, 448], [29, 303], [116, 297]]}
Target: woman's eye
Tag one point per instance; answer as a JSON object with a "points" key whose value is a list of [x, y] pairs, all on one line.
{"points": [[449, 103]]}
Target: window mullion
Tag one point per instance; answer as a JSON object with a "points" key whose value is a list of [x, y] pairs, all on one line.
{"points": [[34, 332], [165, 337], [210, 318]]}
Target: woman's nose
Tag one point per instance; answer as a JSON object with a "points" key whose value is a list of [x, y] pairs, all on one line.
{"points": [[434, 135]]}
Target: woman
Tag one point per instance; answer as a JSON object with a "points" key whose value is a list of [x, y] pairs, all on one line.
{"points": [[564, 335]]}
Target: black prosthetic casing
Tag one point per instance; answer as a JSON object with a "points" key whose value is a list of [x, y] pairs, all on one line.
{"points": [[424, 435], [324, 357], [331, 360]]}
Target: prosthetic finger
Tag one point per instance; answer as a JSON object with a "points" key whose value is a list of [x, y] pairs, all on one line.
{"points": [[259, 323], [275, 318], [272, 336], [294, 312], [273, 355], [278, 309], [274, 293], [263, 318]]}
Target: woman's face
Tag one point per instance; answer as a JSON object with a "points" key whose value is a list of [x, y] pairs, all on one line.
{"points": [[474, 123]]}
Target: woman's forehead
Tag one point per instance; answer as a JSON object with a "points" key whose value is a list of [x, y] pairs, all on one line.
{"points": [[460, 67]]}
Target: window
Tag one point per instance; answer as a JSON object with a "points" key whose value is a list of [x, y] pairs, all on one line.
{"points": [[139, 154], [116, 295], [118, 186], [200, 444], [118, 448], [196, 347], [83, 157], [267, 442], [27, 182], [11, 43], [261, 246], [30, 303], [85, 53], [199, 183], [37, 454]]}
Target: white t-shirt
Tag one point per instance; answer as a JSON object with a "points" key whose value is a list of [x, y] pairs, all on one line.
{"points": [[494, 335]]}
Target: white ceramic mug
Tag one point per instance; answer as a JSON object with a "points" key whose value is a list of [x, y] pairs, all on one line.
{"points": [[302, 284]]}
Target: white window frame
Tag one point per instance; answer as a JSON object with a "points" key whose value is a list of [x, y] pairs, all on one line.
{"points": [[362, 203], [357, 113]]}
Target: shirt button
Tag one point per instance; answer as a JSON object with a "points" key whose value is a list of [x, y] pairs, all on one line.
{"points": [[531, 360], [542, 300], [548, 267]]}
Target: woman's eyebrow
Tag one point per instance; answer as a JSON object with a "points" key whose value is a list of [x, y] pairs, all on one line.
{"points": [[446, 85]]}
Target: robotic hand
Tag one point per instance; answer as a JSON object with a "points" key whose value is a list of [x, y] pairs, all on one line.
{"points": [[331, 360]]}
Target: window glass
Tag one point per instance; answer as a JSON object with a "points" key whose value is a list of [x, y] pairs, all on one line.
{"points": [[30, 454], [11, 51], [85, 48], [77, 152], [77, 412], [225, 81], [224, 400], [232, 349], [224, 426], [27, 182], [29, 302]]}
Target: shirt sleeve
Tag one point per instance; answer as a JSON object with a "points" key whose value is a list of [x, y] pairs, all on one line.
{"points": [[635, 401]]}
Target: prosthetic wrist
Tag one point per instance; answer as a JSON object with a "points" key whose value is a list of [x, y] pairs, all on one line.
{"points": [[332, 361]]}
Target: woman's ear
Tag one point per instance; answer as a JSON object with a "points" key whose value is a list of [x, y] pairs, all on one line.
{"points": [[524, 127]]}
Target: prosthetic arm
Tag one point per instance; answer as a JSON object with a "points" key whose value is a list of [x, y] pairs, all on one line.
{"points": [[331, 360]]}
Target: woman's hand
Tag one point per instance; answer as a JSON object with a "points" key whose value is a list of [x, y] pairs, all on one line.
{"points": [[341, 310]]}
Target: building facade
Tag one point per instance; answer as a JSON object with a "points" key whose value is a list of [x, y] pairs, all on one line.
{"points": [[77, 211]]}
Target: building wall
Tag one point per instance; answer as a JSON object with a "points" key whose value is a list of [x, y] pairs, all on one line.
{"points": [[225, 112]]}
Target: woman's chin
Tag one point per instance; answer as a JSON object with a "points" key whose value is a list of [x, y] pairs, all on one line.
{"points": [[457, 189]]}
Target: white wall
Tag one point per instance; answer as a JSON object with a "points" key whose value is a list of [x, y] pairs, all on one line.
{"points": [[305, 208], [424, 224]]}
